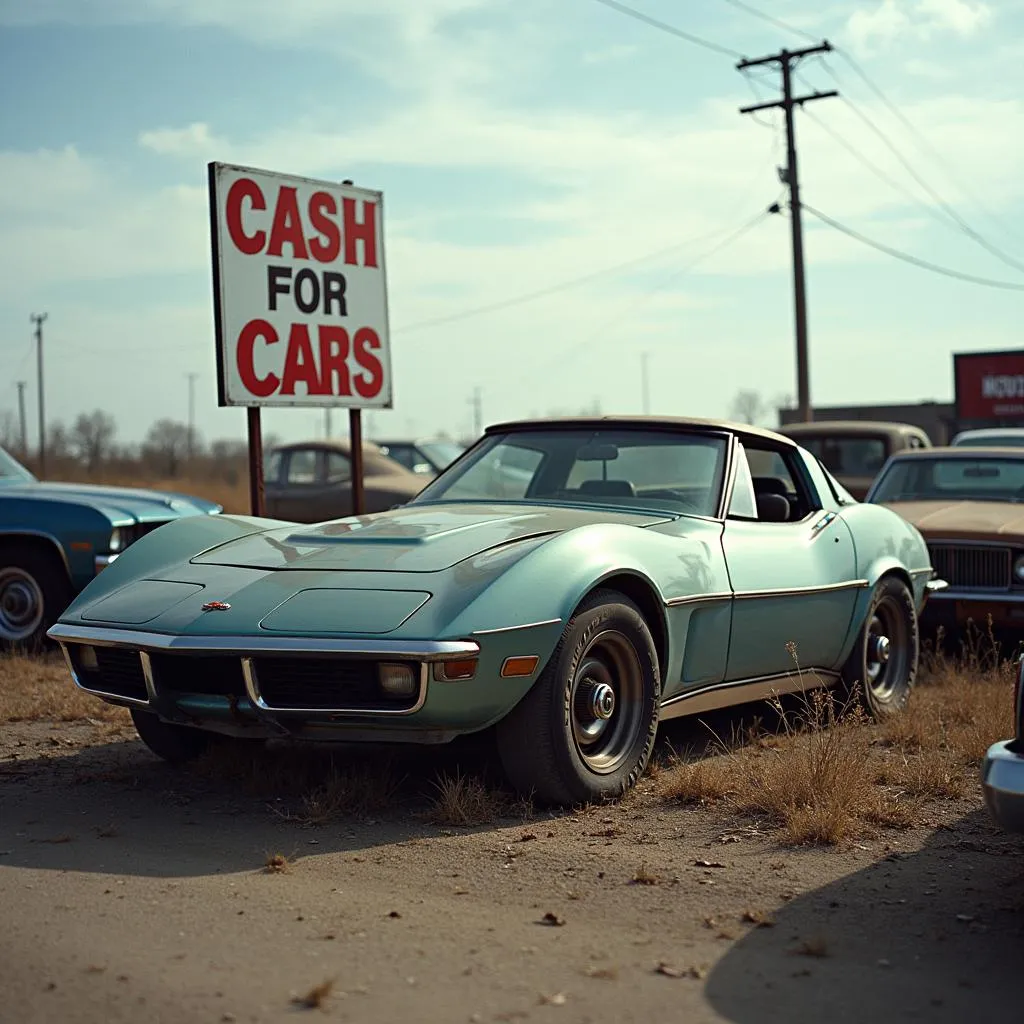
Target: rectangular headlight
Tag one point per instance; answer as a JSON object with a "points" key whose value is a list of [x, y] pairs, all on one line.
{"points": [[397, 680]]}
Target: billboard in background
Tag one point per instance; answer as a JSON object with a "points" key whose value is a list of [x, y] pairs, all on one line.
{"points": [[989, 385], [300, 296]]}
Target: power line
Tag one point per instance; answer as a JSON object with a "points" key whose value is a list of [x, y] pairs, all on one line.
{"points": [[664, 26], [967, 229], [553, 289], [777, 22], [914, 260]]}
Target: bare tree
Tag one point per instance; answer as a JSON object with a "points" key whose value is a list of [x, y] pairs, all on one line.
{"points": [[748, 407], [58, 441], [92, 437], [10, 435], [167, 445]]}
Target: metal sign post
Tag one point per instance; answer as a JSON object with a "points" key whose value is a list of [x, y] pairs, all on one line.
{"points": [[256, 503], [355, 433]]}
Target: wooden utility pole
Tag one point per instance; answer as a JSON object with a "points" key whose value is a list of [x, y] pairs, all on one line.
{"points": [[37, 319], [790, 176], [22, 429]]}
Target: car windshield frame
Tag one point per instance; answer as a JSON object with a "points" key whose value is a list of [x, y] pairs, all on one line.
{"points": [[13, 472], [437, 452], [559, 448], [908, 473]]}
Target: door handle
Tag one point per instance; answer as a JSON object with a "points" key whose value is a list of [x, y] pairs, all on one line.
{"points": [[822, 523]]}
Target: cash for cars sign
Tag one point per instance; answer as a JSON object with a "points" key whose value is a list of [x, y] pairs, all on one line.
{"points": [[300, 298]]}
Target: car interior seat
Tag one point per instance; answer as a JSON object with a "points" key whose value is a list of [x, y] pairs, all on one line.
{"points": [[772, 508]]}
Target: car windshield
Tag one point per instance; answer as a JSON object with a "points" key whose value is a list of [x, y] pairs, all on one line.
{"points": [[846, 456], [441, 453], [12, 471], [673, 471], [952, 479]]}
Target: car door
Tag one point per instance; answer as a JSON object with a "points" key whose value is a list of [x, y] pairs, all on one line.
{"points": [[794, 582], [298, 490]]}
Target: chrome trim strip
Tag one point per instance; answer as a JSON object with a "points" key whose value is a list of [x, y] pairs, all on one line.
{"points": [[742, 691], [512, 629], [921, 572], [822, 523], [420, 650], [147, 674], [114, 698], [824, 588], [676, 602], [934, 586], [970, 542], [252, 687]]}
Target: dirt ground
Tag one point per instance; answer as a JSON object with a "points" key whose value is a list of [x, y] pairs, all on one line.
{"points": [[275, 885]]}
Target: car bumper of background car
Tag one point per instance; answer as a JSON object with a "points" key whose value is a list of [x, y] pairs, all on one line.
{"points": [[312, 689], [955, 606], [1002, 780]]}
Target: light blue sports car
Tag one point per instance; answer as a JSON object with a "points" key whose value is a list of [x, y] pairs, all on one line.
{"points": [[629, 571]]}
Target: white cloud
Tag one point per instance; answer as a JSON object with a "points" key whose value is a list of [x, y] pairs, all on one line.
{"points": [[188, 141], [921, 19]]}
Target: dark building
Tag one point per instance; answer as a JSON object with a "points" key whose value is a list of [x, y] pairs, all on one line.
{"points": [[937, 419]]}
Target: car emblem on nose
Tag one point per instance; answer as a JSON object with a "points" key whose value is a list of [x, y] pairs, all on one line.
{"points": [[216, 606]]}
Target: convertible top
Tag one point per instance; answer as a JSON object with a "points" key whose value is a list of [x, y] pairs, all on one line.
{"points": [[741, 430]]}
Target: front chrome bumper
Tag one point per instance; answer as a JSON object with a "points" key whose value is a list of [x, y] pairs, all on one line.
{"points": [[1002, 780]]}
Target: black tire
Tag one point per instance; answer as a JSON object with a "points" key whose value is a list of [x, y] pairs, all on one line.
{"points": [[176, 744], [557, 745], [883, 683], [34, 590]]}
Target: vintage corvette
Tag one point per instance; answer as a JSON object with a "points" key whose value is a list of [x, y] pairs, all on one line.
{"points": [[1002, 773], [647, 568]]}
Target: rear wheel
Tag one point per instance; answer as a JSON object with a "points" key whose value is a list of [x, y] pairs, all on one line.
{"points": [[883, 663], [586, 730], [34, 590], [176, 744]]}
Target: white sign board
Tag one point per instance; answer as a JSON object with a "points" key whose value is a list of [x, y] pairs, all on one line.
{"points": [[300, 296]]}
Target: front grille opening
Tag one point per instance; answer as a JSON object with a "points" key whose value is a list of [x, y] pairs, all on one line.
{"points": [[115, 671], [326, 684], [972, 566], [213, 675]]}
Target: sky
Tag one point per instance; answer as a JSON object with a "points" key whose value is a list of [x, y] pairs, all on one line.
{"points": [[521, 145]]}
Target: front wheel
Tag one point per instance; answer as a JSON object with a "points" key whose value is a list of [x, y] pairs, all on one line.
{"points": [[883, 663], [34, 590], [176, 744], [586, 730]]}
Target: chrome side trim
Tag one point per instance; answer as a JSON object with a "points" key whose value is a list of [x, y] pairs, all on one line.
{"points": [[252, 688], [675, 602], [742, 691], [512, 629], [934, 586], [921, 572], [113, 698], [824, 588], [420, 650], [147, 674], [822, 523]]}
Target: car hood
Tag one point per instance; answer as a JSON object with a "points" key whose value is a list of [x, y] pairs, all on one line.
{"points": [[425, 538], [121, 504], [974, 520]]}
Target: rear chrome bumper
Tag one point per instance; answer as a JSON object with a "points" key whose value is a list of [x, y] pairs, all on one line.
{"points": [[1002, 780]]}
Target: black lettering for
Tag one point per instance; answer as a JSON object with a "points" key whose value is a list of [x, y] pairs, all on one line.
{"points": [[301, 278], [334, 291], [278, 283]]}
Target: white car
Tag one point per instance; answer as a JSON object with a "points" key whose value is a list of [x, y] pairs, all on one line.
{"points": [[991, 437]]}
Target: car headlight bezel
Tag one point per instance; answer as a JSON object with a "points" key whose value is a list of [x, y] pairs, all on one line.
{"points": [[118, 540], [1018, 570]]}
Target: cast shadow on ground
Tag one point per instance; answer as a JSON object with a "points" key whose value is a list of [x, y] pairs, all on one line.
{"points": [[933, 934]]}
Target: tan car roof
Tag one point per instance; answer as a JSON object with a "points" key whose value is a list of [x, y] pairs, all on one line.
{"points": [[851, 427]]}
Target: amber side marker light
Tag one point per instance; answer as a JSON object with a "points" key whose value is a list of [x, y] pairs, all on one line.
{"points": [[452, 671], [522, 666]]}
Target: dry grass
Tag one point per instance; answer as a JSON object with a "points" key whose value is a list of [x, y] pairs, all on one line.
{"points": [[466, 800], [34, 689], [829, 773]]}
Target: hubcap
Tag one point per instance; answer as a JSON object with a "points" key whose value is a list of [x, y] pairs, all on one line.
{"points": [[21, 604], [887, 650], [607, 702]]}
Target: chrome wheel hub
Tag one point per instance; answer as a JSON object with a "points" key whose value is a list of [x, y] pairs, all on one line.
{"points": [[21, 604], [602, 702], [882, 649]]}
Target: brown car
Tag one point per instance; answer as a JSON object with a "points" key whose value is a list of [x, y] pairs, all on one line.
{"points": [[854, 451], [968, 503], [311, 481]]}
